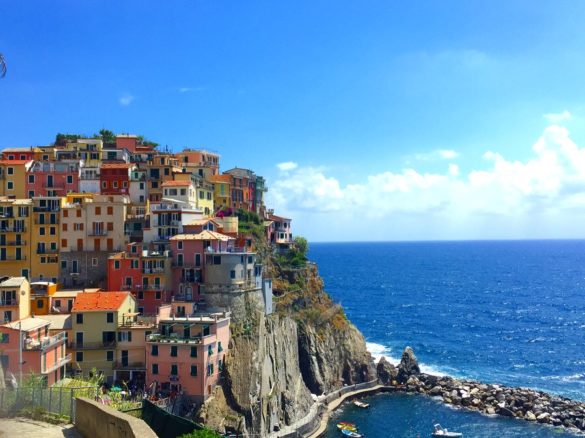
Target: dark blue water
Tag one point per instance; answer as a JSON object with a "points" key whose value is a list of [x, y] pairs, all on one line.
{"points": [[505, 312]]}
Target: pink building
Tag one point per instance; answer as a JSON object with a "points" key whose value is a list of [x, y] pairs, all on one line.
{"points": [[188, 352], [52, 179], [42, 354], [188, 253]]}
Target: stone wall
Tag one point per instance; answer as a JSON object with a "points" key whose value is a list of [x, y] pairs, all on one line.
{"points": [[93, 419]]}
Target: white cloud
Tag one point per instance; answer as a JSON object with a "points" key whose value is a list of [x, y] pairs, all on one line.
{"points": [[287, 165], [551, 182], [439, 154], [126, 99], [558, 117], [190, 89]]}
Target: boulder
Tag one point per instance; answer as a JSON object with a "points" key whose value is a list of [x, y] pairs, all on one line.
{"points": [[386, 371], [408, 366]]}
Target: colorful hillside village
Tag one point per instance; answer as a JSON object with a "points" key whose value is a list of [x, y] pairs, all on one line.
{"points": [[119, 259]]}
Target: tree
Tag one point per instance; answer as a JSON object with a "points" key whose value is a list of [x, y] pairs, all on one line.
{"points": [[107, 136], [302, 245], [2, 66]]}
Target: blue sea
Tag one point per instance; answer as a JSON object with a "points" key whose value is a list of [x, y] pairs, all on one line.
{"points": [[510, 312]]}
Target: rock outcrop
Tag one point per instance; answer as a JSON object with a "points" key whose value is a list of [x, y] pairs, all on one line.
{"points": [[387, 372], [408, 366]]}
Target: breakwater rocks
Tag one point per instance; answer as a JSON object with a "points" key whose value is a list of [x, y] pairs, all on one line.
{"points": [[521, 403]]}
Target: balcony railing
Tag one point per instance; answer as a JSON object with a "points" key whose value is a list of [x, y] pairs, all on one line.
{"points": [[153, 270], [9, 302], [97, 232], [13, 243], [91, 345], [60, 362], [156, 287], [54, 221], [44, 343], [121, 365], [229, 288], [12, 258], [55, 186], [13, 229], [47, 251], [173, 338], [50, 208]]}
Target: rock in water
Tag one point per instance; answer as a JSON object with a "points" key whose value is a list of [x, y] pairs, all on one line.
{"points": [[386, 371], [408, 366]]}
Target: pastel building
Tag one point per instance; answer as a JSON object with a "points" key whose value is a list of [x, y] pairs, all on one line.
{"points": [[188, 352], [27, 154], [279, 231], [87, 149], [130, 360], [15, 236], [14, 299], [52, 178], [160, 170], [200, 159], [221, 191], [44, 257], [188, 252], [41, 293], [92, 228], [147, 274], [95, 321], [13, 177], [115, 178], [89, 179], [42, 354]]}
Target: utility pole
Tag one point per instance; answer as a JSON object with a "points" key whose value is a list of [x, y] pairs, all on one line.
{"points": [[20, 353]]}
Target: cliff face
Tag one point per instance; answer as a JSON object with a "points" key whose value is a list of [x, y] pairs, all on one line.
{"points": [[276, 362]]}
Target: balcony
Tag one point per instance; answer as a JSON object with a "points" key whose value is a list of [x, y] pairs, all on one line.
{"points": [[60, 362], [8, 302], [13, 243], [174, 338], [54, 186], [13, 229], [97, 233], [44, 343], [129, 366], [47, 251], [47, 222], [210, 288], [153, 270], [155, 287], [91, 345], [49, 209], [12, 258]]}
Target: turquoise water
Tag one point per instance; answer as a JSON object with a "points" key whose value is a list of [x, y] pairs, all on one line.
{"points": [[499, 312]]}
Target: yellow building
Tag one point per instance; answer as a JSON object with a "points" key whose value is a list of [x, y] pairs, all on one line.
{"points": [[15, 237], [96, 318], [204, 195], [89, 150], [14, 299], [221, 190], [13, 174], [44, 258], [41, 293]]}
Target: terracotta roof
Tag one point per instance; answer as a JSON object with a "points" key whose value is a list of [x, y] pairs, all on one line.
{"points": [[16, 162], [273, 217], [17, 150], [220, 178], [176, 184], [99, 301], [116, 165]]}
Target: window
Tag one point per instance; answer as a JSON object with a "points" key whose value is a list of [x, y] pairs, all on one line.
{"points": [[64, 226], [110, 317], [31, 193], [42, 231], [210, 369], [180, 244], [79, 318], [110, 356], [79, 356], [232, 274], [154, 368], [31, 179], [209, 350], [194, 370], [217, 260], [94, 261], [64, 262], [98, 210], [78, 213], [179, 259], [52, 231], [40, 304], [110, 226], [140, 295], [154, 350], [116, 264], [4, 338], [110, 211], [173, 351], [157, 295], [69, 179], [10, 171], [201, 194], [115, 184], [174, 370], [57, 303], [219, 347], [104, 185], [9, 185], [65, 213], [125, 336], [193, 351]]}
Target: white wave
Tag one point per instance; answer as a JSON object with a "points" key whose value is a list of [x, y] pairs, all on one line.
{"points": [[379, 351]]}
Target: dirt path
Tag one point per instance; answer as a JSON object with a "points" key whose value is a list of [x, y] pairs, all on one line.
{"points": [[26, 428]]}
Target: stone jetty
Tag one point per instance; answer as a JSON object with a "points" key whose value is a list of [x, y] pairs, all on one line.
{"points": [[491, 399]]}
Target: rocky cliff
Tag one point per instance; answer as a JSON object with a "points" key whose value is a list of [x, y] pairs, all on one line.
{"points": [[276, 362]]}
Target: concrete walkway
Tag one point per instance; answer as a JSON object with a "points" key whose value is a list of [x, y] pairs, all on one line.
{"points": [[27, 428], [337, 402]]}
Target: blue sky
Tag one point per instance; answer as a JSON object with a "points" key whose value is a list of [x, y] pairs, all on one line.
{"points": [[385, 112]]}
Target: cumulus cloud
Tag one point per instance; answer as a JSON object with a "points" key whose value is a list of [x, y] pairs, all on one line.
{"points": [[126, 99], [439, 154], [287, 165], [558, 117], [551, 181]]}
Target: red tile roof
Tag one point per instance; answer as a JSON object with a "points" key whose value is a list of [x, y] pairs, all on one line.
{"points": [[176, 183], [17, 162], [116, 165], [99, 301]]}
